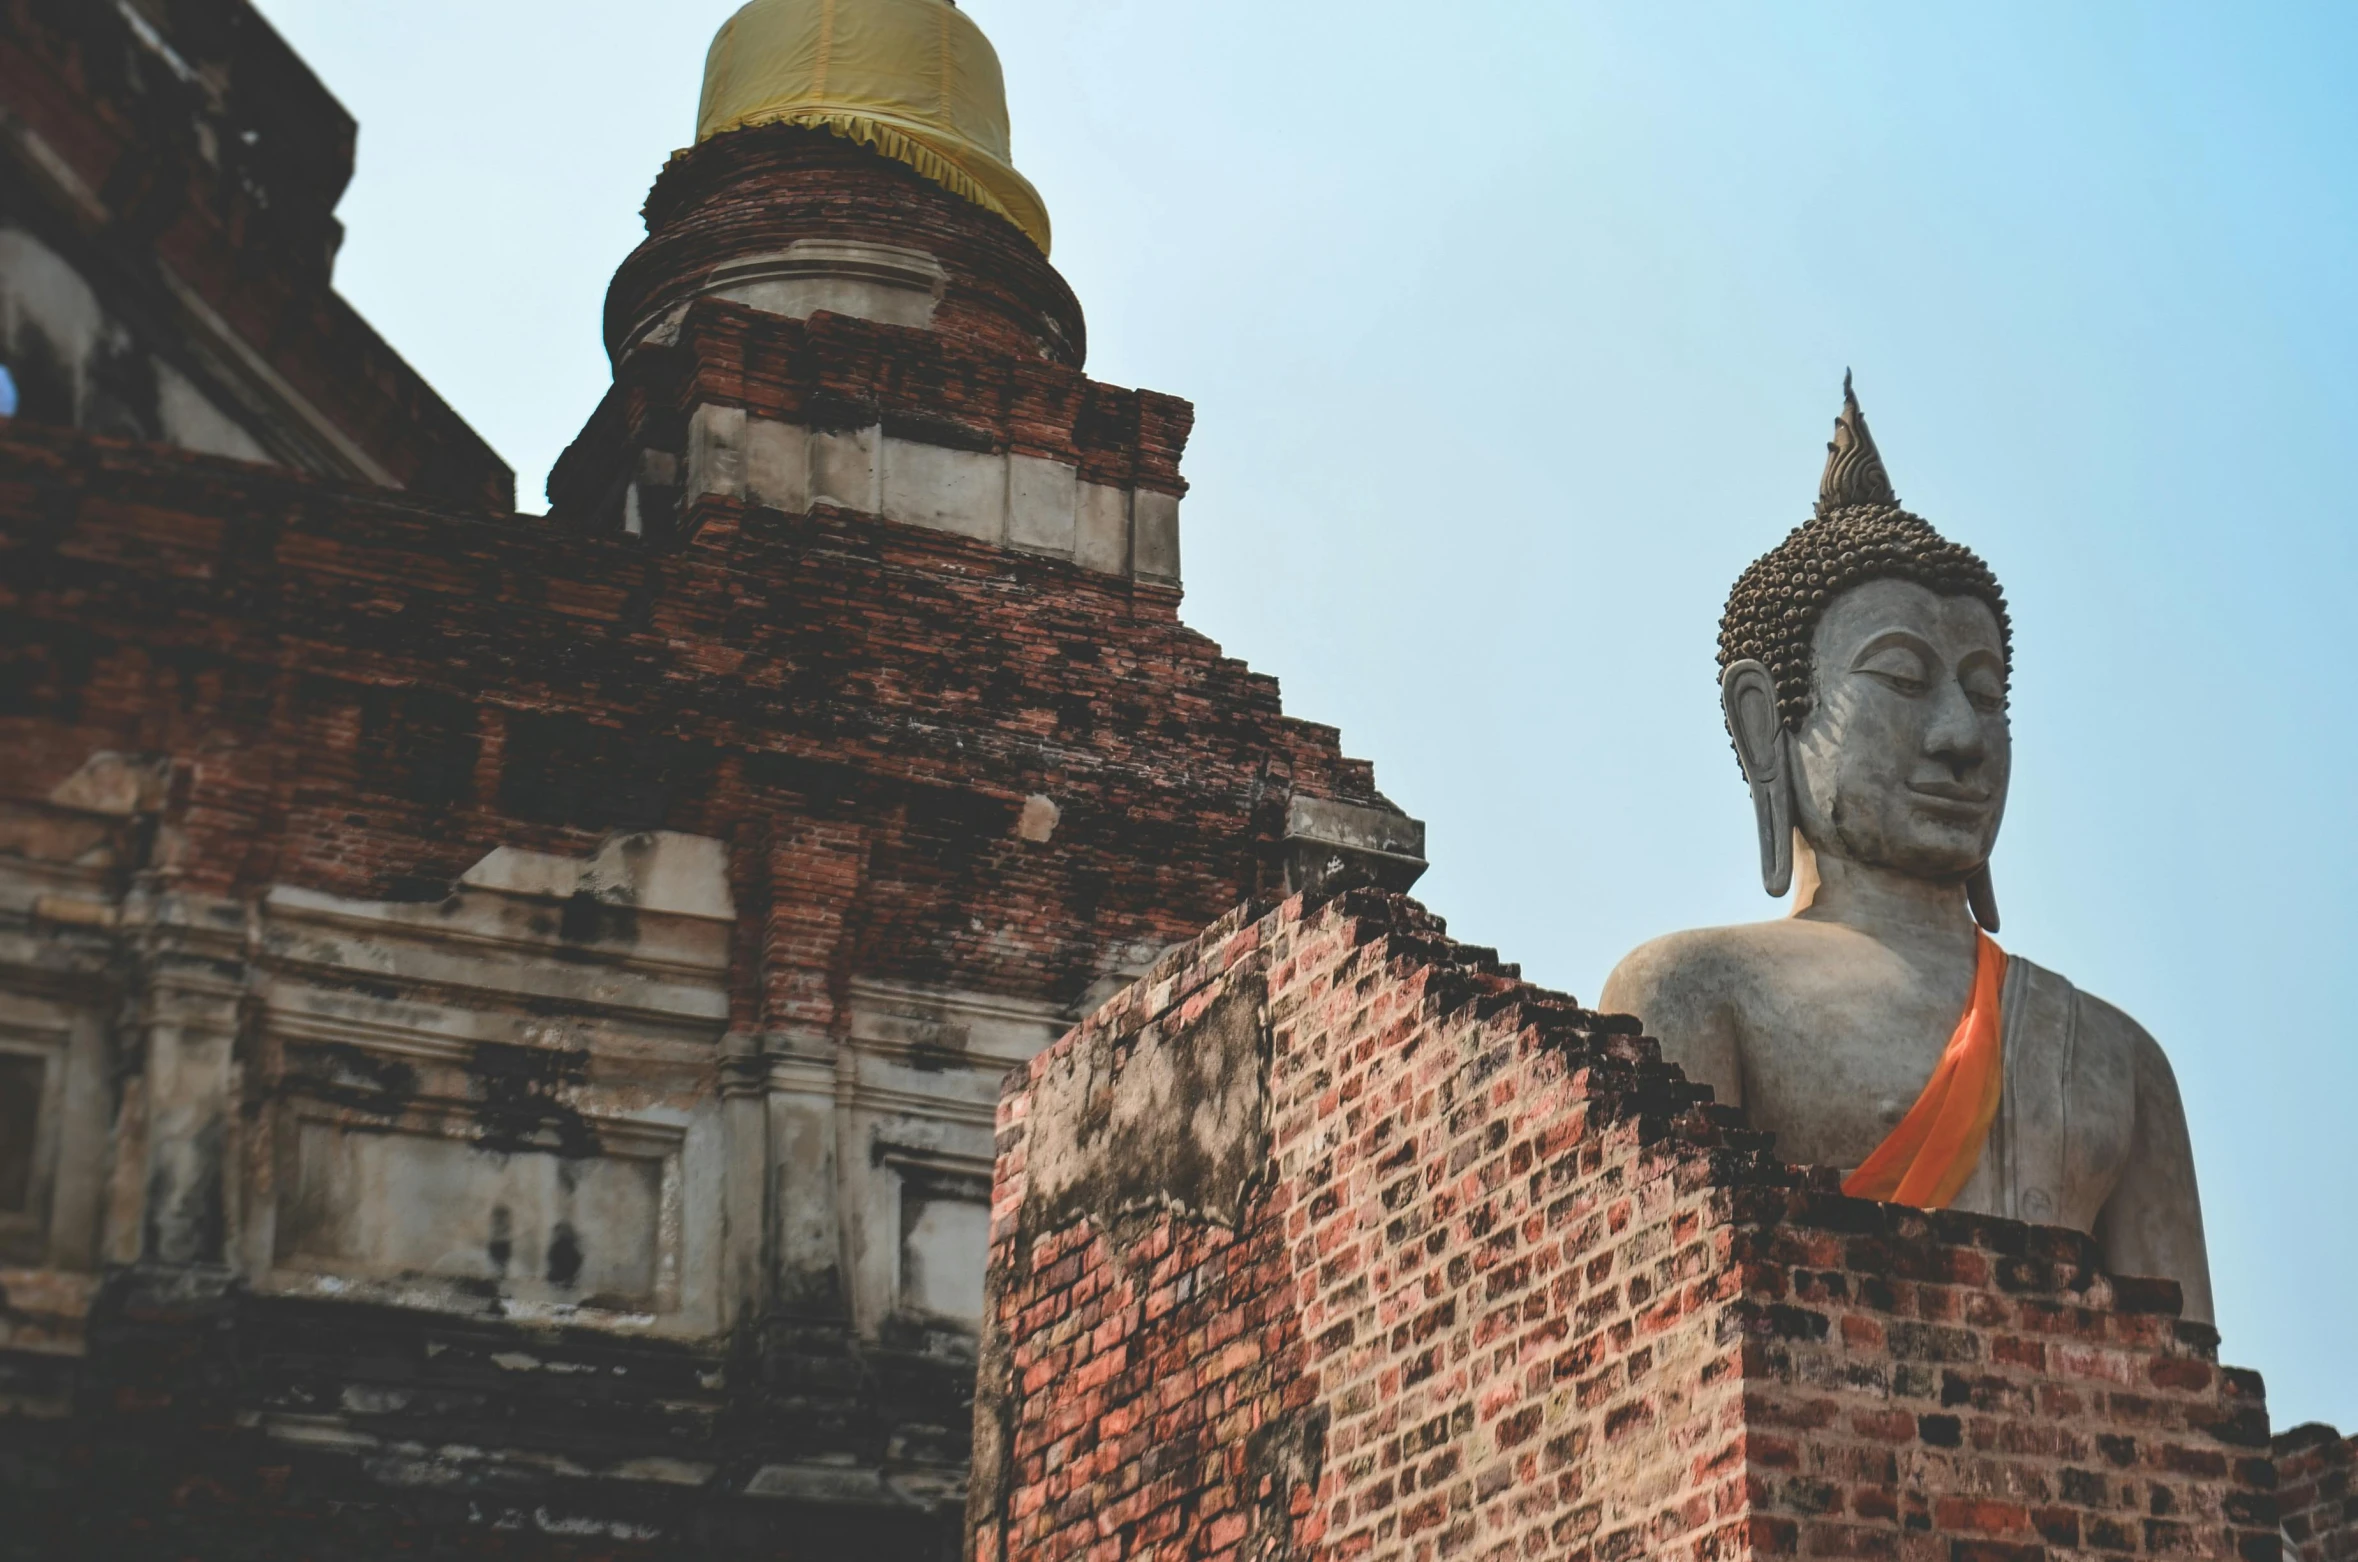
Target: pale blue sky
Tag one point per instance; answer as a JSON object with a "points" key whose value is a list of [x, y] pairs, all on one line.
{"points": [[1515, 330]]}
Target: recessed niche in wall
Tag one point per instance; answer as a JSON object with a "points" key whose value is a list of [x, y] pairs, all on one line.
{"points": [[24, 1080], [362, 1202], [945, 1244]]}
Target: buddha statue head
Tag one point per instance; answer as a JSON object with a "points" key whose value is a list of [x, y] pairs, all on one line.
{"points": [[1864, 666]]}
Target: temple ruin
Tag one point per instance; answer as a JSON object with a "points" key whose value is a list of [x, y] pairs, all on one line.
{"points": [[522, 1034]]}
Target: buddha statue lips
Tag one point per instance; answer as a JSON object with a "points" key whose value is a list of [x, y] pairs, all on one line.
{"points": [[1865, 667]]}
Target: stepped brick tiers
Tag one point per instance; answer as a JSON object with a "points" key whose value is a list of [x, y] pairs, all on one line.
{"points": [[1331, 1238], [501, 1016]]}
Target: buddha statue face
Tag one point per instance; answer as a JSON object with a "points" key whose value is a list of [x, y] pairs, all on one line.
{"points": [[1863, 670], [1902, 761]]}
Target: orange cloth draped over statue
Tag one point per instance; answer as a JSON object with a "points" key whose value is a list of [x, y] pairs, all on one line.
{"points": [[1931, 1154]]}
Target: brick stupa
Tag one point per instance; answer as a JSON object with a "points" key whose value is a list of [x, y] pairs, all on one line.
{"points": [[500, 1015]]}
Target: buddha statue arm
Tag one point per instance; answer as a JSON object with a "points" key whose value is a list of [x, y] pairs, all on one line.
{"points": [[1661, 984], [2152, 1223]]}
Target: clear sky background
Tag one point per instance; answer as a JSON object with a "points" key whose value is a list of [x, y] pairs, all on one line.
{"points": [[1516, 329]]}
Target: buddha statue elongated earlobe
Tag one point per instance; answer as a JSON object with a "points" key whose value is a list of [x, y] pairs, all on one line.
{"points": [[1982, 897], [1748, 698]]}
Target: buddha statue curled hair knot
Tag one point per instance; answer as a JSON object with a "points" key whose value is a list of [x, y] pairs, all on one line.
{"points": [[1858, 533]]}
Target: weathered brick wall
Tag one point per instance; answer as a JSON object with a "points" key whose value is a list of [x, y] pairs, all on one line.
{"points": [[1331, 1238], [836, 372], [191, 154], [930, 761], [2315, 1494], [960, 789], [757, 191], [365, 694]]}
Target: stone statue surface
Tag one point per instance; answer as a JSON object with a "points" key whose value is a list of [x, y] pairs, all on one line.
{"points": [[1865, 669]]}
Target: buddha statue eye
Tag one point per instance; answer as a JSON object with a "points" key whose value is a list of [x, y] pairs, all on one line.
{"points": [[1896, 665], [1983, 688]]}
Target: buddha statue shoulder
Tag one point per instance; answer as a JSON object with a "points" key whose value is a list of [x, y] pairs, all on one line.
{"points": [[1879, 1028]]}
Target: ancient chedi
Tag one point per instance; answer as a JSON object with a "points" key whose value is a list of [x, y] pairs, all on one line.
{"points": [[501, 1015], [1864, 671]]}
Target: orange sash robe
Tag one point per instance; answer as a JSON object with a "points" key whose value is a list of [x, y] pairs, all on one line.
{"points": [[1933, 1152]]}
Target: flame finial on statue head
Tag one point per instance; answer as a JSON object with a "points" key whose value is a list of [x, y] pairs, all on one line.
{"points": [[1854, 468]]}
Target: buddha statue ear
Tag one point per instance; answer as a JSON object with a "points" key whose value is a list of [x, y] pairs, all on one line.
{"points": [[1982, 897], [1748, 698]]}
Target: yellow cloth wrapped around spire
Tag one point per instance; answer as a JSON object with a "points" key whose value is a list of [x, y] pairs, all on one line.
{"points": [[914, 79]]}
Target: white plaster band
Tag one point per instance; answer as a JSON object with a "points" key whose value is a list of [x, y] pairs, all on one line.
{"points": [[1029, 503]]}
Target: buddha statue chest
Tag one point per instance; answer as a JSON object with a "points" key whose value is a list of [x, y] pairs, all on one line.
{"points": [[1834, 1042]]}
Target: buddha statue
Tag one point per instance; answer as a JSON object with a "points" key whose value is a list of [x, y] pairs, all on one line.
{"points": [[1878, 1028]]}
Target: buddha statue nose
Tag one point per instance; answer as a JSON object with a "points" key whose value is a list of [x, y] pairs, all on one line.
{"points": [[1955, 736]]}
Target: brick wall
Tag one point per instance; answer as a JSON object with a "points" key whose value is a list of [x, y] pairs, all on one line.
{"points": [[366, 694], [757, 191], [187, 164], [835, 372], [2315, 1493], [1332, 1238], [935, 766]]}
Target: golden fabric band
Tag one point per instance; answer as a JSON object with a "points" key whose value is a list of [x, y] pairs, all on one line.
{"points": [[915, 80]]}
